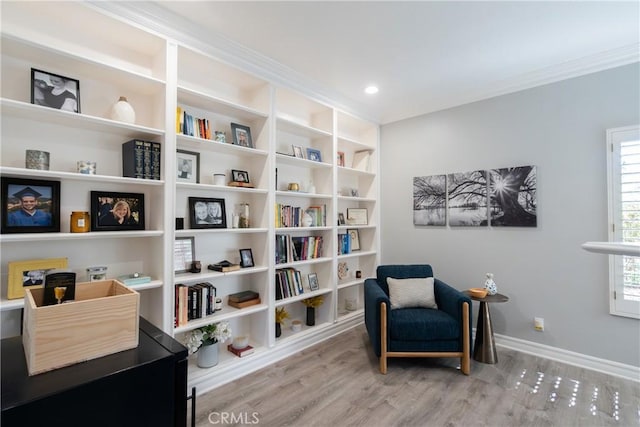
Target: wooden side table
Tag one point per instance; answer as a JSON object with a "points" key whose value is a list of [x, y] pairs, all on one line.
{"points": [[484, 347]]}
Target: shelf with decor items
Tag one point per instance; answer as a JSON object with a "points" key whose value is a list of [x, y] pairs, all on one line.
{"points": [[40, 47]]}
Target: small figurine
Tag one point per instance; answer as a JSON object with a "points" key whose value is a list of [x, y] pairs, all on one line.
{"points": [[490, 285]]}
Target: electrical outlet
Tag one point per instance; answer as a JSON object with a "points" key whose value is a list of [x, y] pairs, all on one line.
{"points": [[538, 324]]}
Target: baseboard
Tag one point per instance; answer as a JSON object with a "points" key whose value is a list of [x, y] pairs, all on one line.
{"points": [[609, 367]]}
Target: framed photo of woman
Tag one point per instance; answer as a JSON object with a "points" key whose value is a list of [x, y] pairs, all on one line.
{"points": [[111, 211], [55, 91]]}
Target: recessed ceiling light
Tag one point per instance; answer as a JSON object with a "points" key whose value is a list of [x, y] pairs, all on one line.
{"points": [[371, 90]]}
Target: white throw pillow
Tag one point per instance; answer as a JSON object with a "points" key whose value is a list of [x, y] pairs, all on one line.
{"points": [[417, 292]]}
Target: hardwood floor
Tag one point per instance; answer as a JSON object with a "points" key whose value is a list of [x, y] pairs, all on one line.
{"points": [[337, 383]]}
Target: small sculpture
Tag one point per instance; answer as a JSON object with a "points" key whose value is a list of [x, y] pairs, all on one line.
{"points": [[490, 285]]}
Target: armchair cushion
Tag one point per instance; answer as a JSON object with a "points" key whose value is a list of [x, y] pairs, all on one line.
{"points": [[422, 324], [414, 292]]}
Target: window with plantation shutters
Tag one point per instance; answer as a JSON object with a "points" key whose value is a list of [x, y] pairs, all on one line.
{"points": [[623, 146]]}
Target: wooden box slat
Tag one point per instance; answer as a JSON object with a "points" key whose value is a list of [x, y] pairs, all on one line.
{"points": [[103, 319]]}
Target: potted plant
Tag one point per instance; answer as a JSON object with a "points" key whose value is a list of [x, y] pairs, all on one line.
{"points": [[204, 341], [281, 315], [311, 304]]}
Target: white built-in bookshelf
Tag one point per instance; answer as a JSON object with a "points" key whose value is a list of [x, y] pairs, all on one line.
{"points": [[111, 58]]}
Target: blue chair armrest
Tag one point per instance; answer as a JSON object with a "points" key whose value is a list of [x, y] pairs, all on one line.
{"points": [[450, 300], [373, 296]]}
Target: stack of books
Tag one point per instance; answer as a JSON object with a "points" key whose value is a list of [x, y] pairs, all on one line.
{"points": [[244, 299], [224, 266]]}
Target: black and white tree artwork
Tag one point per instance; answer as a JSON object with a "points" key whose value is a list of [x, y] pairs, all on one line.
{"points": [[513, 197], [467, 198], [429, 200]]}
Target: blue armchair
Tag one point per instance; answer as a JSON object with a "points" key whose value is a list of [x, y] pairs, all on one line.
{"points": [[417, 331]]}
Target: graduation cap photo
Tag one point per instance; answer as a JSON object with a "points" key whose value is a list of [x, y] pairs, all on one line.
{"points": [[30, 206]]}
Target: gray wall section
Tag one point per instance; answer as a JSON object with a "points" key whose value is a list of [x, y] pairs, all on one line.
{"points": [[560, 128]]}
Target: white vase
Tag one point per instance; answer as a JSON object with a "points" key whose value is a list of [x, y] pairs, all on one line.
{"points": [[208, 355], [122, 111], [490, 285]]}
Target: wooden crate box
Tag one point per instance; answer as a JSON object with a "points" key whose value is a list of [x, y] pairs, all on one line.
{"points": [[103, 319]]}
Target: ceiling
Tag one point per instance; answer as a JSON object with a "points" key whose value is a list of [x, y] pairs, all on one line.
{"points": [[424, 56]]}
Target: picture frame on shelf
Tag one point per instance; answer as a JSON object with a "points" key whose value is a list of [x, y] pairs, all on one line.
{"points": [[206, 212], [246, 258], [30, 205], [241, 135], [298, 152], [55, 91], [184, 253], [357, 216], [341, 220], [361, 160], [240, 176], [30, 274], [340, 159], [355, 238], [314, 155], [187, 166], [314, 285], [114, 211]]}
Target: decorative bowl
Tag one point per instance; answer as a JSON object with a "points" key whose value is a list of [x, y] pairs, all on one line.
{"points": [[478, 292], [240, 342]]}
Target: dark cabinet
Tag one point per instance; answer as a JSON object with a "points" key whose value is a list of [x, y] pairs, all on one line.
{"points": [[144, 386]]}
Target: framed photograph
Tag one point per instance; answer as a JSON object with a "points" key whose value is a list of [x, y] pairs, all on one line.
{"points": [[355, 238], [207, 213], [55, 91], [340, 158], [356, 216], [30, 274], [184, 253], [239, 176], [241, 135], [298, 152], [313, 282], [30, 205], [246, 258], [188, 166], [341, 220], [314, 155], [111, 211]]}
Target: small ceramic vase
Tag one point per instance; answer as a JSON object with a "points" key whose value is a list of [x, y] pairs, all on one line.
{"points": [[122, 111], [490, 285], [208, 355]]}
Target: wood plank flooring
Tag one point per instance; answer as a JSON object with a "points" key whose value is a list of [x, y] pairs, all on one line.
{"points": [[337, 383]]}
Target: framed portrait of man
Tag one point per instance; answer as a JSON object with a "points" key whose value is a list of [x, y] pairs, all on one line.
{"points": [[30, 206]]}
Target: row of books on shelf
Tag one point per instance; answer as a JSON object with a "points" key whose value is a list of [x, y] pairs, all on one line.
{"points": [[141, 159], [292, 216], [344, 243], [193, 302], [289, 283], [186, 124], [297, 248]]}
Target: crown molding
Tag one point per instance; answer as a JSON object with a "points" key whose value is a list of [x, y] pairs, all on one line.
{"points": [[152, 17]]}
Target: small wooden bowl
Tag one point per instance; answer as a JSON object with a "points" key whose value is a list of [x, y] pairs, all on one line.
{"points": [[478, 292]]}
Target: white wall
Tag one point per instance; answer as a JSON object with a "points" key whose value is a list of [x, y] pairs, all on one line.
{"points": [[560, 128]]}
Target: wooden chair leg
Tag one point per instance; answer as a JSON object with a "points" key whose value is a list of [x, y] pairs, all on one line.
{"points": [[383, 338], [465, 360]]}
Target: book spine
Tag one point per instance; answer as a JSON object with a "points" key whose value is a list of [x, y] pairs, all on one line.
{"points": [[147, 174], [156, 152], [133, 159]]}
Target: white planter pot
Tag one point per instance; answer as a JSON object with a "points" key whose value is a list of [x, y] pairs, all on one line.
{"points": [[208, 355]]}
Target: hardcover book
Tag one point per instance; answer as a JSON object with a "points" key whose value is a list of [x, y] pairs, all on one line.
{"points": [[244, 304], [133, 159], [243, 296], [240, 352]]}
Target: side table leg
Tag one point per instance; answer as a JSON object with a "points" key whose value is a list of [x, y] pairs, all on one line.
{"points": [[484, 349]]}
